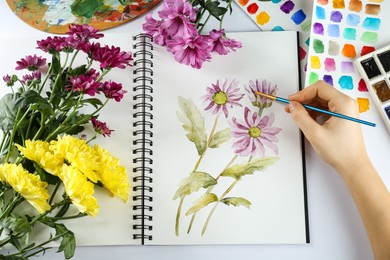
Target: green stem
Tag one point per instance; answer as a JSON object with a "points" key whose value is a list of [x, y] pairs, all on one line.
{"points": [[54, 192], [191, 222], [216, 204], [41, 245], [68, 217], [205, 22], [41, 128], [178, 216], [223, 16], [11, 206], [45, 79], [219, 175], [5, 134]]}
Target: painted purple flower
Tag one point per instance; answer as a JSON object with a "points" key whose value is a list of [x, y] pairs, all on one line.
{"points": [[255, 133], [112, 57], [101, 127], [263, 87], [31, 63], [84, 32], [221, 44], [28, 78], [84, 84], [192, 51], [153, 27], [223, 97], [113, 90], [51, 45]]}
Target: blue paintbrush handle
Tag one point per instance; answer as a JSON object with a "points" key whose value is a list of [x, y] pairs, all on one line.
{"points": [[284, 100]]}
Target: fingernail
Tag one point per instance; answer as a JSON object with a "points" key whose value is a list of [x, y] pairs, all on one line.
{"points": [[292, 105]]}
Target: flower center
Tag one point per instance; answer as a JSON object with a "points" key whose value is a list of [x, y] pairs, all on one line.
{"points": [[254, 132], [220, 98]]}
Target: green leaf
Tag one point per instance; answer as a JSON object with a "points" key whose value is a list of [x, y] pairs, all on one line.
{"points": [[17, 224], [56, 63], [214, 9], [68, 242], [236, 201], [78, 71], [93, 101], [193, 183], [239, 170], [220, 137], [31, 97], [193, 122], [202, 202], [12, 257], [9, 105]]}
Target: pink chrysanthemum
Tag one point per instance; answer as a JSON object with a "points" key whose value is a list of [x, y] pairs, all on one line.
{"points": [[113, 90], [221, 44], [254, 133], [263, 87], [31, 63], [101, 127], [111, 57], [85, 84], [223, 97], [153, 27], [192, 51]]}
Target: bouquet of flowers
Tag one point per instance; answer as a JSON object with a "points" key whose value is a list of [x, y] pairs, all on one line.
{"points": [[46, 174], [180, 30]]}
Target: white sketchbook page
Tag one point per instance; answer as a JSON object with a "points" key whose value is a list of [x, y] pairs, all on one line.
{"points": [[113, 225], [277, 212]]}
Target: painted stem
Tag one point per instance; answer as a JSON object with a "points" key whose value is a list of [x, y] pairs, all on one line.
{"points": [[216, 204], [178, 216]]}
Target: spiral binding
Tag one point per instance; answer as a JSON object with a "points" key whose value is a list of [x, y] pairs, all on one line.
{"points": [[143, 143]]}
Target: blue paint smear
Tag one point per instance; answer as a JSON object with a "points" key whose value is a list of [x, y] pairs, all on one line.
{"points": [[307, 41], [320, 12], [353, 19], [276, 1], [371, 23], [277, 28], [328, 79], [346, 82], [349, 34], [298, 17], [334, 30], [60, 21]]}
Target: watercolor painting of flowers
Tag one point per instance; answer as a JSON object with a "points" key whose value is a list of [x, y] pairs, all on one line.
{"points": [[48, 166], [180, 30], [253, 138]]}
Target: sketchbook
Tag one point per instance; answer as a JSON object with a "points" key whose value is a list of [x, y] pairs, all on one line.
{"points": [[209, 162]]}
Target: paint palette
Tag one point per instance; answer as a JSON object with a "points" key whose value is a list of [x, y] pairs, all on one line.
{"points": [[375, 69]]}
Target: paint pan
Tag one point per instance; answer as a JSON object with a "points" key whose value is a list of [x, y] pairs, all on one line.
{"points": [[375, 70]]}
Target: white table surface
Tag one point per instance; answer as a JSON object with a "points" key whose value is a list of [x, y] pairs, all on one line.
{"points": [[336, 229]]}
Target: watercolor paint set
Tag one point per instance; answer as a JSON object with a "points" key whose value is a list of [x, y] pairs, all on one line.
{"points": [[375, 69]]}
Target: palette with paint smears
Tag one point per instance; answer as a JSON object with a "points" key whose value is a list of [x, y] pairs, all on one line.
{"points": [[375, 69]]}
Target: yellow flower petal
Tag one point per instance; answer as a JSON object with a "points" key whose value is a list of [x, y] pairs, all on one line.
{"points": [[79, 190], [112, 175], [79, 154], [26, 184]]}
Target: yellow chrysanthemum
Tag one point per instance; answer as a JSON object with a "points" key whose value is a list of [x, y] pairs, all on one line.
{"points": [[79, 190], [38, 151], [79, 154], [112, 175], [26, 184]]}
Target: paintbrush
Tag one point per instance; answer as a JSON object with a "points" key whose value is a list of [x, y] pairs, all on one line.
{"points": [[284, 100]]}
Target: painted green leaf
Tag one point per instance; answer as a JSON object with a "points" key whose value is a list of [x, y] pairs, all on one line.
{"points": [[202, 202], [193, 183], [86, 8], [239, 170], [236, 201], [220, 137], [193, 123]]}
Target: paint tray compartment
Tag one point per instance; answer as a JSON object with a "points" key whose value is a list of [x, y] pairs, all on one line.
{"points": [[375, 70]]}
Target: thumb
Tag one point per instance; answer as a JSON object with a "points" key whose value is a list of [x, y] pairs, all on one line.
{"points": [[303, 119]]}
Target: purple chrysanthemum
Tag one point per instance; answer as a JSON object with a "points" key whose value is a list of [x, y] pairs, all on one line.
{"points": [[85, 84], [221, 44], [223, 97], [36, 75], [101, 127], [51, 45], [31, 63], [111, 57], [153, 27], [84, 32], [254, 133], [263, 87], [192, 51], [113, 90]]}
